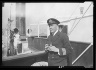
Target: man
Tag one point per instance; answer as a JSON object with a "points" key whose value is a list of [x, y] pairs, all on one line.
{"points": [[59, 48]]}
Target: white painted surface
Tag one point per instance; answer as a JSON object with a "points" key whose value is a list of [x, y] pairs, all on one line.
{"points": [[83, 31]]}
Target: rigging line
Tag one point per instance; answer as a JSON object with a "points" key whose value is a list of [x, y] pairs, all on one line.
{"points": [[74, 11], [72, 26], [76, 18], [80, 18]]}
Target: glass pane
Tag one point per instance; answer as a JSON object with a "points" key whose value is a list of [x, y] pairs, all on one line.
{"points": [[34, 30], [43, 30]]}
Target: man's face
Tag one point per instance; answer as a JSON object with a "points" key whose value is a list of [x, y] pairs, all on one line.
{"points": [[53, 27]]}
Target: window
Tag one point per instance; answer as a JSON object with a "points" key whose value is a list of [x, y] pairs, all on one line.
{"points": [[38, 30]]}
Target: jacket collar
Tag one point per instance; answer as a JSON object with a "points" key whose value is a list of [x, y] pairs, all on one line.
{"points": [[55, 32], [55, 37]]}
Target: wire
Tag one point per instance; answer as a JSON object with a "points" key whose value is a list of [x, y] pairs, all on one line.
{"points": [[74, 11], [71, 15], [76, 18], [72, 26], [80, 19]]}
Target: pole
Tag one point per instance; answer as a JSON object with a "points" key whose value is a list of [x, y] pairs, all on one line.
{"points": [[38, 30]]}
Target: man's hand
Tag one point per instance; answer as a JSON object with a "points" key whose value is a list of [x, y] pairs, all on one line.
{"points": [[53, 48], [46, 47]]}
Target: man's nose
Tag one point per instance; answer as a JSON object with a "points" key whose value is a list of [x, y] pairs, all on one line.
{"points": [[49, 27]]}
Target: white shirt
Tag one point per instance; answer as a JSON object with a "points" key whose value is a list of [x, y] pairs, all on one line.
{"points": [[16, 40], [55, 32]]}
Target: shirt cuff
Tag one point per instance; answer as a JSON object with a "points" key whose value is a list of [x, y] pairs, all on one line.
{"points": [[64, 51], [58, 52]]}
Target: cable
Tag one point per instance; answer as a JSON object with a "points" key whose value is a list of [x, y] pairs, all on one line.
{"points": [[72, 26], [76, 17], [74, 11], [80, 19]]}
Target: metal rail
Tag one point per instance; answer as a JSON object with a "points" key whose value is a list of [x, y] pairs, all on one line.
{"points": [[82, 53]]}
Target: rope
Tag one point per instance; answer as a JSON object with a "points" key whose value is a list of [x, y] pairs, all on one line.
{"points": [[76, 18], [80, 19], [74, 10], [72, 26]]}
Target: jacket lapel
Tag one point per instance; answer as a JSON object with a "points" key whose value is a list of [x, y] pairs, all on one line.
{"points": [[56, 36], [52, 39]]}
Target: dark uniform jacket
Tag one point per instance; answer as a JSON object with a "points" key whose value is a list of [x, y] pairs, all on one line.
{"points": [[60, 40]]}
